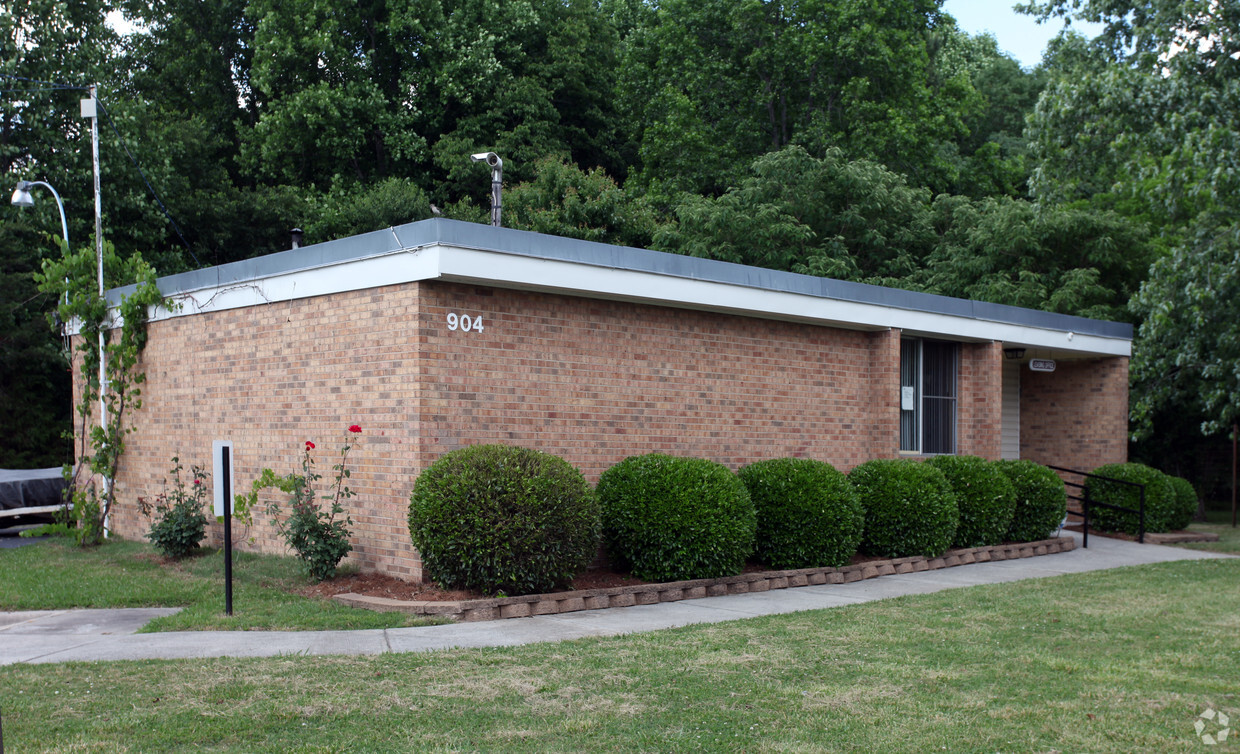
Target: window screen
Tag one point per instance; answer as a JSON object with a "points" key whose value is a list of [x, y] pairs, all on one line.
{"points": [[928, 376]]}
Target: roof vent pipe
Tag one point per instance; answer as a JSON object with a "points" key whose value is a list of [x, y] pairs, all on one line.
{"points": [[497, 180], [296, 234]]}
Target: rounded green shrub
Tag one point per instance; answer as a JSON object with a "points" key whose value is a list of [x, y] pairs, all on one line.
{"points": [[808, 513], [1160, 502], [909, 508], [1041, 502], [984, 495], [670, 519], [1185, 503], [495, 518]]}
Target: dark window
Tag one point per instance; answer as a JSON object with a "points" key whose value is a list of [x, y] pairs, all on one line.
{"points": [[928, 374]]}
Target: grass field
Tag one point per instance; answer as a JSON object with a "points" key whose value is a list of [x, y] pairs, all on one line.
{"points": [[54, 575], [1116, 661], [1218, 522]]}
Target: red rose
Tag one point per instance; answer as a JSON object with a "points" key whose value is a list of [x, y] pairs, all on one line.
{"points": [[309, 445], [197, 481], [355, 429]]}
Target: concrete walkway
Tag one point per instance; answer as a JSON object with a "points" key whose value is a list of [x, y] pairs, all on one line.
{"points": [[73, 635]]}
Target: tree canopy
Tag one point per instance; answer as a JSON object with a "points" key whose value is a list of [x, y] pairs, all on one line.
{"points": [[867, 141]]}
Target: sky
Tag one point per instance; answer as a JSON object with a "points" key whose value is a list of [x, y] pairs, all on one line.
{"points": [[1018, 35]]}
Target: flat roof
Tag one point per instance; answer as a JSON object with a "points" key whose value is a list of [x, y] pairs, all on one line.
{"points": [[468, 252]]}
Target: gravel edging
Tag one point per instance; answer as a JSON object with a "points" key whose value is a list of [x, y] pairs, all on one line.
{"points": [[497, 608]]}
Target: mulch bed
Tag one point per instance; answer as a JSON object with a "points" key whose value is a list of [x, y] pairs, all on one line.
{"points": [[390, 587], [382, 585]]}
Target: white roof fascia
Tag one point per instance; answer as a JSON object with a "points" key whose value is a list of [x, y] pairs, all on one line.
{"points": [[452, 263], [490, 268]]}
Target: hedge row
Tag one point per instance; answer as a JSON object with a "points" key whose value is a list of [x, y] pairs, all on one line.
{"points": [[511, 520], [1170, 502]]}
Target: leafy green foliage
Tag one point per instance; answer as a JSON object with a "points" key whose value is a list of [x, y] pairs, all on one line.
{"points": [[1161, 508], [984, 496], [1059, 259], [992, 156], [501, 519], [41, 139], [563, 200], [318, 536], [1189, 341], [36, 404], [712, 85], [669, 518], [909, 508], [358, 209], [1041, 501], [822, 216], [73, 280], [179, 521], [1146, 120], [1185, 503], [807, 512]]}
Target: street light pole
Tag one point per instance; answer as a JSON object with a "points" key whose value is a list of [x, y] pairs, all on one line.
{"points": [[90, 109]]}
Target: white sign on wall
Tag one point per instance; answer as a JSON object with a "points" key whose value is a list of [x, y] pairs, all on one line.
{"points": [[1042, 365], [219, 449], [908, 398]]}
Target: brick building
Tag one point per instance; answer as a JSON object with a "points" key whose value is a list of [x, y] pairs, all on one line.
{"points": [[440, 334]]}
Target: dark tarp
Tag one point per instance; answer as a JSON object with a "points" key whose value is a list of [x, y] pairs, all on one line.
{"points": [[30, 488]]}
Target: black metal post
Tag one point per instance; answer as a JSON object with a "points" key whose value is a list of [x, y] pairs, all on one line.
{"points": [[1085, 517], [1141, 522], [1234, 430], [226, 479]]}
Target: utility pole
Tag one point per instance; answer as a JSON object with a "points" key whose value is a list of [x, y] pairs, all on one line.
{"points": [[90, 109]]}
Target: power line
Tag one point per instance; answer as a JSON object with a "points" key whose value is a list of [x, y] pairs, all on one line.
{"points": [[55, 86], [6, 89], [149, 187]]}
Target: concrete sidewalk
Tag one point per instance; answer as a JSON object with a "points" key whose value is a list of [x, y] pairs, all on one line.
{"points": [[74, 635]]}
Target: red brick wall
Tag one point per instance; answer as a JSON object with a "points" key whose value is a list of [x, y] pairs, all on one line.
{"points": [[271, 377], [980, 401], [597, 381], [593, 381], [884, 398], [1076, 416]]}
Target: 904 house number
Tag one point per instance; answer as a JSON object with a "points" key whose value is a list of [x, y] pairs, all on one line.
{"points": [[464, 322]]}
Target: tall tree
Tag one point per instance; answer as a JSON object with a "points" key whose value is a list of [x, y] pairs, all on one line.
{"points": [[564, 200], [833, 217], [743, 78], [49, 52], [1147, 119], [1011, 251], [991, 153]]}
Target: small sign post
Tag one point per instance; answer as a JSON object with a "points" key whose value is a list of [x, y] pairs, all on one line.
{"points": [[221, 452]]}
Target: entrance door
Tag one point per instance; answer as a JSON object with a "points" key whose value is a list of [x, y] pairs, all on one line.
{"points": [[1009, 430]]}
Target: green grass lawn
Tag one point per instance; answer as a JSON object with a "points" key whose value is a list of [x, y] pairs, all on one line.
{"points": [[1218, 522], [55, 574], [1117, 661]]}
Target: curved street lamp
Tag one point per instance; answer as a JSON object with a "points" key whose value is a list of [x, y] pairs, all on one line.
{"points": [[22, 198]]}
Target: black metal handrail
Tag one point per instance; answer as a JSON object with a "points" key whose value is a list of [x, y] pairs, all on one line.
{"points": [[1087, 503]]}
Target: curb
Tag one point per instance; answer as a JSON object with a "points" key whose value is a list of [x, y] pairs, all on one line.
{"points": [[498, 608]]}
